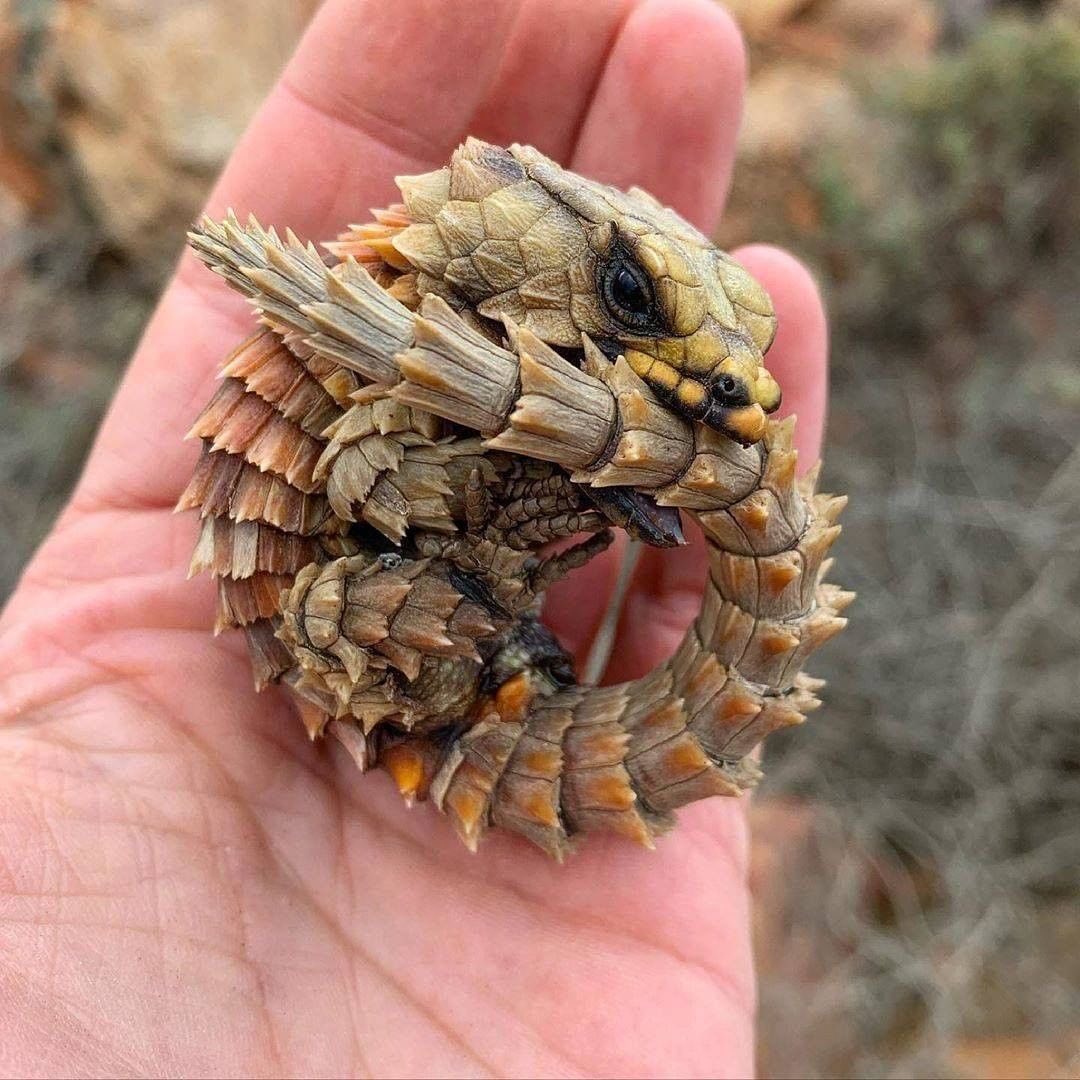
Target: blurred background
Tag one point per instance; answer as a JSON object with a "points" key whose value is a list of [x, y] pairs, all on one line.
{"points": [[917, 854]]}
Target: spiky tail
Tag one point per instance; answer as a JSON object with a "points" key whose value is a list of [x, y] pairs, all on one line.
{"points": [[621, 758]]}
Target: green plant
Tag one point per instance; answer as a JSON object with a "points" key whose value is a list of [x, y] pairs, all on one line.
{"points": [[979, 182]]}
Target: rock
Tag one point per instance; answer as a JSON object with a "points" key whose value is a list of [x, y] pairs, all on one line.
{"points": [[790, 106], [758, 18], [154, 97], [790, 110], [893, 28], [24, 189], [802, 97], [1006, 1058], [837, 27]]}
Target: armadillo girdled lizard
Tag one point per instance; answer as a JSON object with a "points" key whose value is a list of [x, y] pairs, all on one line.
{"points": [[513, 355]]}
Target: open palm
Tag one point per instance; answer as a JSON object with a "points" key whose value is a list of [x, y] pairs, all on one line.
{"points": [[187, 886]]}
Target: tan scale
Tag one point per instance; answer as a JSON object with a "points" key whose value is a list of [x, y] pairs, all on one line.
{"points": [[512, 356]]}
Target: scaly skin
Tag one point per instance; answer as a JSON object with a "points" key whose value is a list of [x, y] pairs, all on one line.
{"points": [[387, 563]]}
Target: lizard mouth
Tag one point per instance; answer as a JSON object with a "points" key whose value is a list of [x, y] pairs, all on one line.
{"points": [[638, 513]]}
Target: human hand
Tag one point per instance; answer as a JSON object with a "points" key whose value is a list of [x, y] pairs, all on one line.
{"points": [[187, 887]]}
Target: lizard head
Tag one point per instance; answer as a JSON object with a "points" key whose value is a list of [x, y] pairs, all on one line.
{"points": [[510, 234]]}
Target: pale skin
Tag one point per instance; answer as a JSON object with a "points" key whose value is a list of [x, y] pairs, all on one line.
{"points": [[187, 886]]}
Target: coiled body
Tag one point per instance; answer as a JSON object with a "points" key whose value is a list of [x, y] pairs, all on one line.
{"points": [[387, 461]]}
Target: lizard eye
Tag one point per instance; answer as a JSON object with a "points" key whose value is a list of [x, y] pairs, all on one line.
{"points": [[627, 293]]}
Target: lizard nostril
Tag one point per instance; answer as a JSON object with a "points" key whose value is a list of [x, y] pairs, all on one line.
{"points": [[730, 391]]}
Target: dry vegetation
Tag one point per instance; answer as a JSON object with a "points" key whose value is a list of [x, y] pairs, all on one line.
{"points": [[939, 795], [918, 849]]}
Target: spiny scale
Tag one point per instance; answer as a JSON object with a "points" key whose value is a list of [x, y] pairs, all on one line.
{"points": [[387, 456]]}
